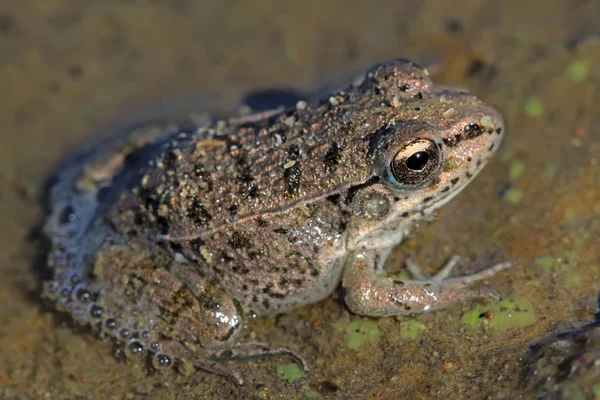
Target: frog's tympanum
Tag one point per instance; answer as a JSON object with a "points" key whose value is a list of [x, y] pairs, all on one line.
{"points": [[169, 237]]}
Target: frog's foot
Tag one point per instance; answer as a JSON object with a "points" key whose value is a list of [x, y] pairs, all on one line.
{"points": [[442, 276], [372, 295], [252, 349], [219, 369], [183, 353], [213, 358]]}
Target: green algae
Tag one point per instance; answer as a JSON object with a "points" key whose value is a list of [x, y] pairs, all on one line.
{"points": [[581, 239], [516, 170], [578, 71], [549, 172], [411, 330], [290, 372], [545, 262], [596, 391], [562, 264], [533, 107], [360, 331], [512, 312], [513, 196]]}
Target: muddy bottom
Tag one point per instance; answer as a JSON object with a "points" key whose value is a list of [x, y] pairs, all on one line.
{"points": [[69, 67]]}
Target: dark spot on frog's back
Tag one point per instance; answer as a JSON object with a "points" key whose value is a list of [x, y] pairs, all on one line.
{"points": [[198, 214], [292, 177], [170, 158], [197, 243], [239, 240], [247, 187], [162, 225], [332, 157], [333, 199]]}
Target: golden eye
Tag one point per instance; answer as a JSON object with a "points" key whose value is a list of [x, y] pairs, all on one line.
{"points": [[416, 162]]}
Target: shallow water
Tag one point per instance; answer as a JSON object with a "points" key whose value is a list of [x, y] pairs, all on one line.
{"points": [[68, 67]]}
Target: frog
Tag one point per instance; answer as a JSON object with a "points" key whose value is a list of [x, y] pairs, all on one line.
{"points": [[170, 235]]}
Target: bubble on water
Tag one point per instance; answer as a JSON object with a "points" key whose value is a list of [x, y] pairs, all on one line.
{"points": [[66, 291], [124, 333], [75, 279], [53, 286], [154, 346], [82, 294], [95, 311], [162, 361], [110, 324], [135, 349]]}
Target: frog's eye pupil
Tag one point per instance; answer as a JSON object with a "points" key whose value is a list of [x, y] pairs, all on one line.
{"points": [[417, 161]]}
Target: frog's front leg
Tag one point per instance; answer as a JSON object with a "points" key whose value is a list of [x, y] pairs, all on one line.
{"points": [[369, 294]]}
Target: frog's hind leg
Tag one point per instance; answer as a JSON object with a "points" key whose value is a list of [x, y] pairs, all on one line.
{"points": [[372, 295], [213, 359]]}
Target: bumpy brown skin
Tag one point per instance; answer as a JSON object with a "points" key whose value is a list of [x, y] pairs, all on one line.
{"points": [[182, 234]]}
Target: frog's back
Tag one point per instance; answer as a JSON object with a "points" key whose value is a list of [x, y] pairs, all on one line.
{"points": [[255, 202]]}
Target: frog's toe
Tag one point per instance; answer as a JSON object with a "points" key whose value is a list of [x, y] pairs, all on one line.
{"points": [[479, 276], [253, 349], [442, 276], [220, 369], [419, 275], [416, 271]]}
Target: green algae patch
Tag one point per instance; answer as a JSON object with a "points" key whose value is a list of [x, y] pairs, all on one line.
{"points": [[581, 239], [578, 71], [562, 264], [310, 393], [290, 372], [359, 332], [411, 330], [513, 196], [570, 216], [516, 170], [533, 107], [512, 312], [545, 262], [596, 391], [549, 172]]}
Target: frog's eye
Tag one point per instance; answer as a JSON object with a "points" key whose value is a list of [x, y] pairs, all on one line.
{"points": [[416, 162]]}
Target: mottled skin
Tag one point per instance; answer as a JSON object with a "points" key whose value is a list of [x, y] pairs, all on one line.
{"points": [[167, 238]]}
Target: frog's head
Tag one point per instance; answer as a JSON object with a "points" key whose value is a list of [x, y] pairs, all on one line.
{"points": [[431, 142]]}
